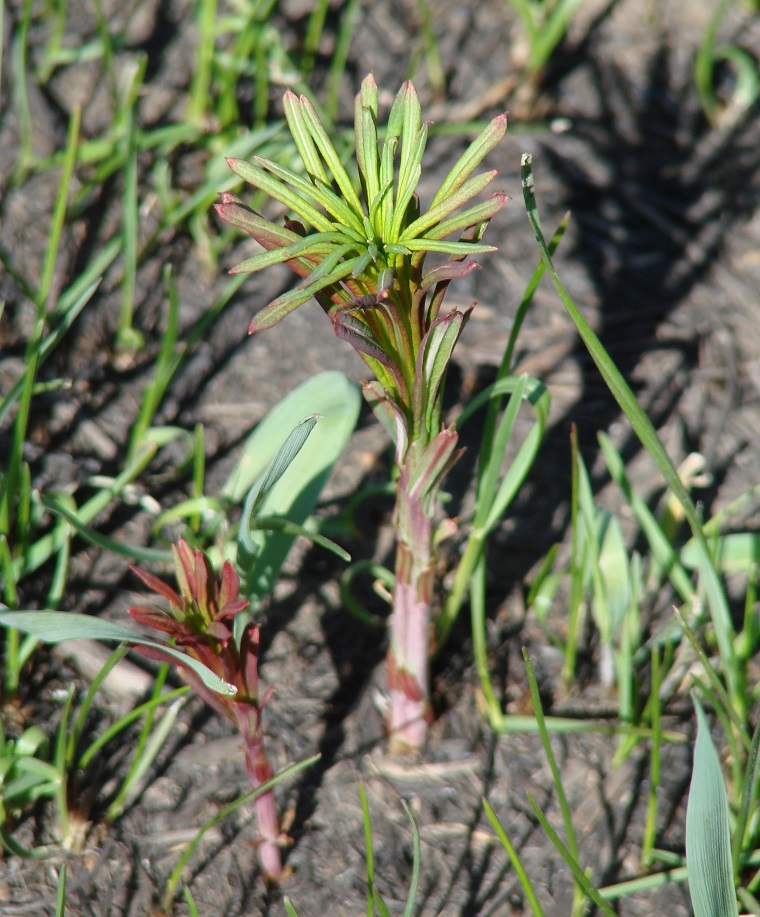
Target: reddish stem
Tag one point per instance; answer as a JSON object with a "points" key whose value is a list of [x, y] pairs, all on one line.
{"points": [[260, 770], [410, 621]]}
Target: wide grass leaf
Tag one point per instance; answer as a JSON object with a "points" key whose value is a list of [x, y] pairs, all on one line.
{"points": [[708, 840], [297, 488], [57, 626]]}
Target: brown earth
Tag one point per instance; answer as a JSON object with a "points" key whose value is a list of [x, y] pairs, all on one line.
{"points": [[663, 255]]}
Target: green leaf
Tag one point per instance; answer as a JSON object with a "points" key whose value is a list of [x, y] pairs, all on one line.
{"points": [[58, 626], [448, 248], [416, 860], [279, 192], [433, 464], [480, 213], [280, 464], [432, 363], [404, 194], [472, 157], [413, 135], [134, 552], [277, 309], [448, 205], [708, 840], [365, 129], [296, 491], [314, 247], [299, 130], [514, 858], [647, 434], [613, 576], [735, 552], [321, 194], [495, 501], [322, 140], [371, 171]]}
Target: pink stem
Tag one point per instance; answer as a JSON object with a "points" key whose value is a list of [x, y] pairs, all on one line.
{"points": [[260, 770], [410, 623]]}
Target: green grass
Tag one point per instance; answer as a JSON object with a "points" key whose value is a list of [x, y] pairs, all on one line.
{"points": [[605, 588]]}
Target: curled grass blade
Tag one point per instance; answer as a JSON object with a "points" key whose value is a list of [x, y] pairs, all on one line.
{"points": [[494, 496], [134, 552], [416, 858]]}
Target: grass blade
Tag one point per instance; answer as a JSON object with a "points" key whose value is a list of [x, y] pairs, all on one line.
{"points": [[708, 839], [649, 439]]}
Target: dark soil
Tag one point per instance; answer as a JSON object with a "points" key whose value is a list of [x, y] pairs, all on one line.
{"points": [[662, 253]]}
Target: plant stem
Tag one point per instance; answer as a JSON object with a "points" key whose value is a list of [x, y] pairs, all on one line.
{"points": [[260, 770], [410, 621]]}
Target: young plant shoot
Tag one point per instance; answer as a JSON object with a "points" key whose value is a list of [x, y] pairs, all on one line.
{"points": [[202, 620], [361, 255]]}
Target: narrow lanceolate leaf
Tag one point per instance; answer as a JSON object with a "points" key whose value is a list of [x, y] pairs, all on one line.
{"points": [[404, 195], [289, 302], [395, 123], [369, 153], [472, 157], [436, 460], [299, 129], [433, 360], [353, 330], [58, 626], [410, 133], [320, 194], [448, 205], [449, 270], [366, 99], [389, 416], [708, 841], [257, 177], [327, 266], [315, 247], [480, 213], [329, 154], [233, 211], [448, 248], [386, 183]]}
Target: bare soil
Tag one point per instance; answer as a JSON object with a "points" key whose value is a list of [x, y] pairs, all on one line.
{"points": [[663, 254]]}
